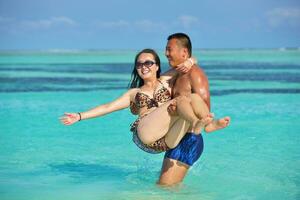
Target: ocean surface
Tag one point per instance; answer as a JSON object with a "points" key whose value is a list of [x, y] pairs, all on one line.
{"points": [[257, 157]]}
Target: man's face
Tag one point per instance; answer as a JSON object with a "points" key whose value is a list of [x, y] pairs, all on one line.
{"points": [[175, 53]]}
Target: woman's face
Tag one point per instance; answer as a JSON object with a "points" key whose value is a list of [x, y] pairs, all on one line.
{"points": [[146, 66]]}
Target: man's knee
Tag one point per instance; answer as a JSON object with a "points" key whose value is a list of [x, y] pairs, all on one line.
{"points": [[172, 172]]}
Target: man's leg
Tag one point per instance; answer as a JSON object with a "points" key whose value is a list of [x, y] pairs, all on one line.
{"points": [[172, 172], [178, 160]]}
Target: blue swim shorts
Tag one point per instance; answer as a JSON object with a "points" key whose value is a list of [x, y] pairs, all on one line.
{"points": [[188, 150]]}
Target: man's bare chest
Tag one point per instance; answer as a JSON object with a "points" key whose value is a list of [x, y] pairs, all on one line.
{"points": [[182, 86]]}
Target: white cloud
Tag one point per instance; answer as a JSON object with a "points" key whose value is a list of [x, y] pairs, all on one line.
{"points": [[284, 16], [4, 20], [187, 21], [6, 23], [146, 25], [149, 26], [113, 24], [140, 25], [47, 23], [64, 20], [15, 26]]}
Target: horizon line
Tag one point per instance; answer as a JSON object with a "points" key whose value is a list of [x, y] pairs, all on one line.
{"points": [[66, 50]]}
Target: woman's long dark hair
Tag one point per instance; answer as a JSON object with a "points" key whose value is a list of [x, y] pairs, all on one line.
{"points": [[136, 81]]}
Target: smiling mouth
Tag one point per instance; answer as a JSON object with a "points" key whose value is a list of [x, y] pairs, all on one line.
{"points": [[145, 71]]}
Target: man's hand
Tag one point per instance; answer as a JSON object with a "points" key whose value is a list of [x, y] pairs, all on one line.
{"points": [[172, 108]]}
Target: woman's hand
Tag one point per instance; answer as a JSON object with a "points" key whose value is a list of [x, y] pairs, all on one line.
{"points": [[70, 118], [186, 65], [172, 108]]}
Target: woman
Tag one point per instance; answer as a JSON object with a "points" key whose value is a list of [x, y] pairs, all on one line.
{"points": [[148, 91]]}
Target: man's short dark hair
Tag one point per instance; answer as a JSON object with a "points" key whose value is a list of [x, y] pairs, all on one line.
{"points": [[184, 41]]}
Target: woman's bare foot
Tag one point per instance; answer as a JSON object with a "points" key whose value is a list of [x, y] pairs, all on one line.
{"points": [[217, 124], [200, 124]]}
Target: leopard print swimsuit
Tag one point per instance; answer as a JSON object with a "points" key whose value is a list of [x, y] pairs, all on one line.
{"points": [[142, 100]]}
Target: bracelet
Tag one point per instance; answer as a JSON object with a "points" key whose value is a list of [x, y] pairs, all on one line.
{"points": [[191, 61], [79, 116]]}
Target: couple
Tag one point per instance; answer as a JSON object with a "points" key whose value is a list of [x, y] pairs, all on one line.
{"points": [[173, 108]]}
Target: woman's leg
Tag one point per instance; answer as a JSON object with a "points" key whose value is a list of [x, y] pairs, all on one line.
{"points": [[201, 110], [158, 123], [176, 133], [185, 110], [199, 106], [189, 114]]}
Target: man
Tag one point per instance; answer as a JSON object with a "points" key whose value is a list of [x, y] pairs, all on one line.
{"points": [[178, 160]]}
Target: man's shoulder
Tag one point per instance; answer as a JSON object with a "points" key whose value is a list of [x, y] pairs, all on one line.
{"points": [[196, 70]]}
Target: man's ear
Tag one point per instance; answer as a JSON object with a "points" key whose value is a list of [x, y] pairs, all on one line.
{"points": [[185, 53]]}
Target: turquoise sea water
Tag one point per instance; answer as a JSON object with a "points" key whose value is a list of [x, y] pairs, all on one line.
{"points": [[257, 157]]}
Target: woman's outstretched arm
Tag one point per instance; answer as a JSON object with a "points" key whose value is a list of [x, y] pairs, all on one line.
{"points": [[118, 104]]}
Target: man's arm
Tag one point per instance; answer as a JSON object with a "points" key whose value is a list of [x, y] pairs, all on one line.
{"points": [[199, 84]]}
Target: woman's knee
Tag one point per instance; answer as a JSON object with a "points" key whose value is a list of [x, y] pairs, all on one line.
{"points": [[199, 105], [182, 98], [195, 96]]}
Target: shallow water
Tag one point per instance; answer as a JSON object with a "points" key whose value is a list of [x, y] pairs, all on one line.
{"points": [[257, 157]]}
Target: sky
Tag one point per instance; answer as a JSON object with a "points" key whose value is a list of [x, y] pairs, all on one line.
{"points": [[136, 24]]}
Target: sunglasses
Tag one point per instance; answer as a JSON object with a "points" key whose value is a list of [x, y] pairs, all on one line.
{"points": [[147, 63]]}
